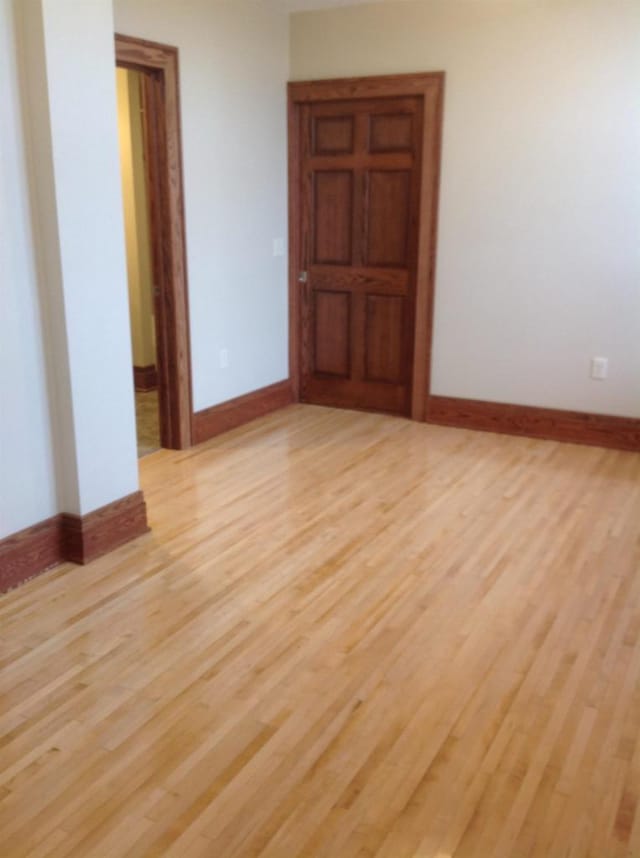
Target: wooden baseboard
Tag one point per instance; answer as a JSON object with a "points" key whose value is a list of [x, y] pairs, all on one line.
{"points": [[74, 538], [29, 552], [235, 412], [84, 538], [145, 378], [550, 424]]}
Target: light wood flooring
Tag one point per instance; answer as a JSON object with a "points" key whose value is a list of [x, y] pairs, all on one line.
{"points": [[147, 422], [347, 635]]}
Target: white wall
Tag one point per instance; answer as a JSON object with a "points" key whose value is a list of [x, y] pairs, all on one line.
{"points": [[68, 98], [539, 250], [539, 259], [67, 433], [27, 478], [233, 70], [92, 287]]}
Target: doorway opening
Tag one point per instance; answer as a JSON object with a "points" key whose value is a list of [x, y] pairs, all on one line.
{"points": [[151, 164], [135, 196]]}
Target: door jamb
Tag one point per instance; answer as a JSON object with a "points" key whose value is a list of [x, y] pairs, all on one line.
{"points": [[170, 265], [430, 87]]}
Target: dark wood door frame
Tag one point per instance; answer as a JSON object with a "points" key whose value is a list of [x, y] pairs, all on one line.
{"points": [[430, 87], [159, 64]]}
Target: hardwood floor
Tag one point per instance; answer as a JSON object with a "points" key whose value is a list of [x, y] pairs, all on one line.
{"points": [[348, 635], [147, 422]]}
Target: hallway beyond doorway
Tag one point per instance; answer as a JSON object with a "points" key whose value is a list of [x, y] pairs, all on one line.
{"points": [[147, 422]]}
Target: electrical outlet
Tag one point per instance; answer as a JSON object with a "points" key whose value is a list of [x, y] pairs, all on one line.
{"points": [[278, 246], [224, 358], [599, 368]]}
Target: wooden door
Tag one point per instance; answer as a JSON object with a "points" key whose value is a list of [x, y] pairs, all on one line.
{"points": [[360, 175]]}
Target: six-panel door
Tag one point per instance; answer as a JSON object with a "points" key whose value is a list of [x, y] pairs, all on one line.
{"points": [[361, 180]]}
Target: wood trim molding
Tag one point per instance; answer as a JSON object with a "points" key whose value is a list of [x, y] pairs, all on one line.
{"points": [[29, 552], [159, 63], [84, 538], [74, 538], [429, 86], [576, 427], [235, 412], [295, 244], [145, 378], [375, 86]]}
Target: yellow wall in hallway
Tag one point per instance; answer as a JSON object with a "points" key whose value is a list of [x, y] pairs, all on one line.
{"points": [[136, 217]]}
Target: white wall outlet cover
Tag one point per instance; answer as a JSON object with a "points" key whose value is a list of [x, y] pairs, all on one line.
{"points": [[224, 358], [599, 368], [278, 246]]}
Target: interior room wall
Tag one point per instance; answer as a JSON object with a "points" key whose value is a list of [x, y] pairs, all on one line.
{"points": [[233, 72], [69, 97], [538, 266], [27, 473], [73, 380], [538, 262], [136, 217]]}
